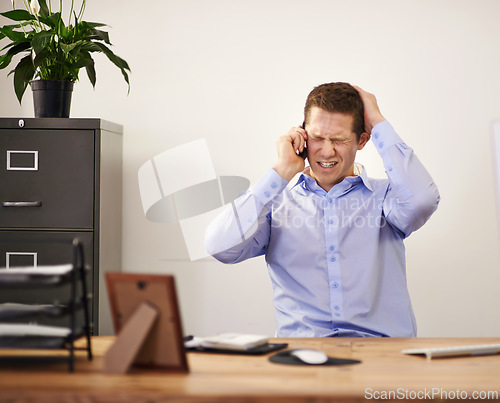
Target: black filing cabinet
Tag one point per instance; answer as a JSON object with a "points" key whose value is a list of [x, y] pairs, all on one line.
{"points": [[62, 179]]}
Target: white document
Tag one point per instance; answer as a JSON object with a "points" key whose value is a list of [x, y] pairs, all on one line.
{"points": [[57, 270], [14, 329]]}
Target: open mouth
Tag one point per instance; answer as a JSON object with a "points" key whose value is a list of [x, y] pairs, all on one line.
{"points": [[327, 164]]}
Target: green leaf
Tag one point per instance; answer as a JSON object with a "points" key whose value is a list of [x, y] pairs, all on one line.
{"points": [[68, 48], [5, 60], [19, 15], [96, 24], [52, 20], [14, 50], [9, 45], [90, 46], [44, 10], [117, 61], [101, 36], [14, 36], [23, 74], [68, 71], [41, 40], [90, 67], [61, 28], [47, 21], [85, 60], [89, 26], [40, 59]]}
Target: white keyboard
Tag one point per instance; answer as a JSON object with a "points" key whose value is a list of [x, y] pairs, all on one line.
{"points": [[455, 351]]}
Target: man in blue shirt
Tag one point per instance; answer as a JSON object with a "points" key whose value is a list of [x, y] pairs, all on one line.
{"points": [[333, 240]]}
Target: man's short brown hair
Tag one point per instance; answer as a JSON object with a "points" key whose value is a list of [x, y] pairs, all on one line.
{"points": [[338, 97]]}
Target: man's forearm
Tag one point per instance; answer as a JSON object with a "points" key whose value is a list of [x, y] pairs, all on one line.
{"points": [[414, 195], [242, 231]]}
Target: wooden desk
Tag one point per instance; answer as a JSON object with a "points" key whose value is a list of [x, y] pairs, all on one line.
{"points": [[223, 378]]}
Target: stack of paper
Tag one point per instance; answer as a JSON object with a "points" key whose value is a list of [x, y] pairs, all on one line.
{"points": [[21, 330], [57, 270]]}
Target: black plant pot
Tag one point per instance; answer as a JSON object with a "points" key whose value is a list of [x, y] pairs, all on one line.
{"points": [[52, 98]]}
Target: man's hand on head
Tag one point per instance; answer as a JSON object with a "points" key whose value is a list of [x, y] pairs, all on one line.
{"points": [[373, 115], [289, 162]]}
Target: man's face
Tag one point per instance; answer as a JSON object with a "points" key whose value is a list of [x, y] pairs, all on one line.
{"points": [[331, 146]]}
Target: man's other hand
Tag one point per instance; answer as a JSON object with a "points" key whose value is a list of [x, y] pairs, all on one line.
{"points": [[372, 111]]}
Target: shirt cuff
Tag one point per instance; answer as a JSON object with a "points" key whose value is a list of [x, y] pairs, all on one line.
{"points": [[269, 186], [384, 136]]}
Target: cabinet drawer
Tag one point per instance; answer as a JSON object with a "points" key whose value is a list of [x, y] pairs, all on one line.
{"points": [[38, 248], [30, 248], [47, 178]]}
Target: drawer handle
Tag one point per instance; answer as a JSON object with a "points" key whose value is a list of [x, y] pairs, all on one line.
{"points": [[33, 255], [22, 204]]}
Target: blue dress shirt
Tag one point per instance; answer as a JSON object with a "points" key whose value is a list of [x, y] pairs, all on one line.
{"points": [[336, 259]]}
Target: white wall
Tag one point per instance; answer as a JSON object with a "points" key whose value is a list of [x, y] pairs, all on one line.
{"points": [[237, 73]]}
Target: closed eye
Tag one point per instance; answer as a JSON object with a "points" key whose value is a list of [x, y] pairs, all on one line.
{"points": [[339, 141]]}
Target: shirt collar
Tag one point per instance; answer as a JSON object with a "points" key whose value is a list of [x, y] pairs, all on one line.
{"points": [[361, 172], [305, 181]]}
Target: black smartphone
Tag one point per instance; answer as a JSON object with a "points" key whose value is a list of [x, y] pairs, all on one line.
{"points": [[303, 154]]}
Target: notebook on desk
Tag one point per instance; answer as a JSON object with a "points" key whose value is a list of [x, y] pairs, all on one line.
{"points": [[232, 343]]}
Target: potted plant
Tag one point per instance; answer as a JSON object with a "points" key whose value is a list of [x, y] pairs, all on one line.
{"points": [[54, 52]]}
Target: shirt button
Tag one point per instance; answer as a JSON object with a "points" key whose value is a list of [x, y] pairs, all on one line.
{"points": [[274, 185], [332, 247], [380, 145], [330, 222], [336, 307], [335, 285], [337, 314], [389, 169], [267, 194], [332, 259], [375, 135], [330, 200]]}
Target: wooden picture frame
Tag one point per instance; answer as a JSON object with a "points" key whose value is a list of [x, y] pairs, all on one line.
{"points": [[147, 321]]}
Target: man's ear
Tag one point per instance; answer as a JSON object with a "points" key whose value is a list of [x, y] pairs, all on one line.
{"points": [[364, 138]]}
